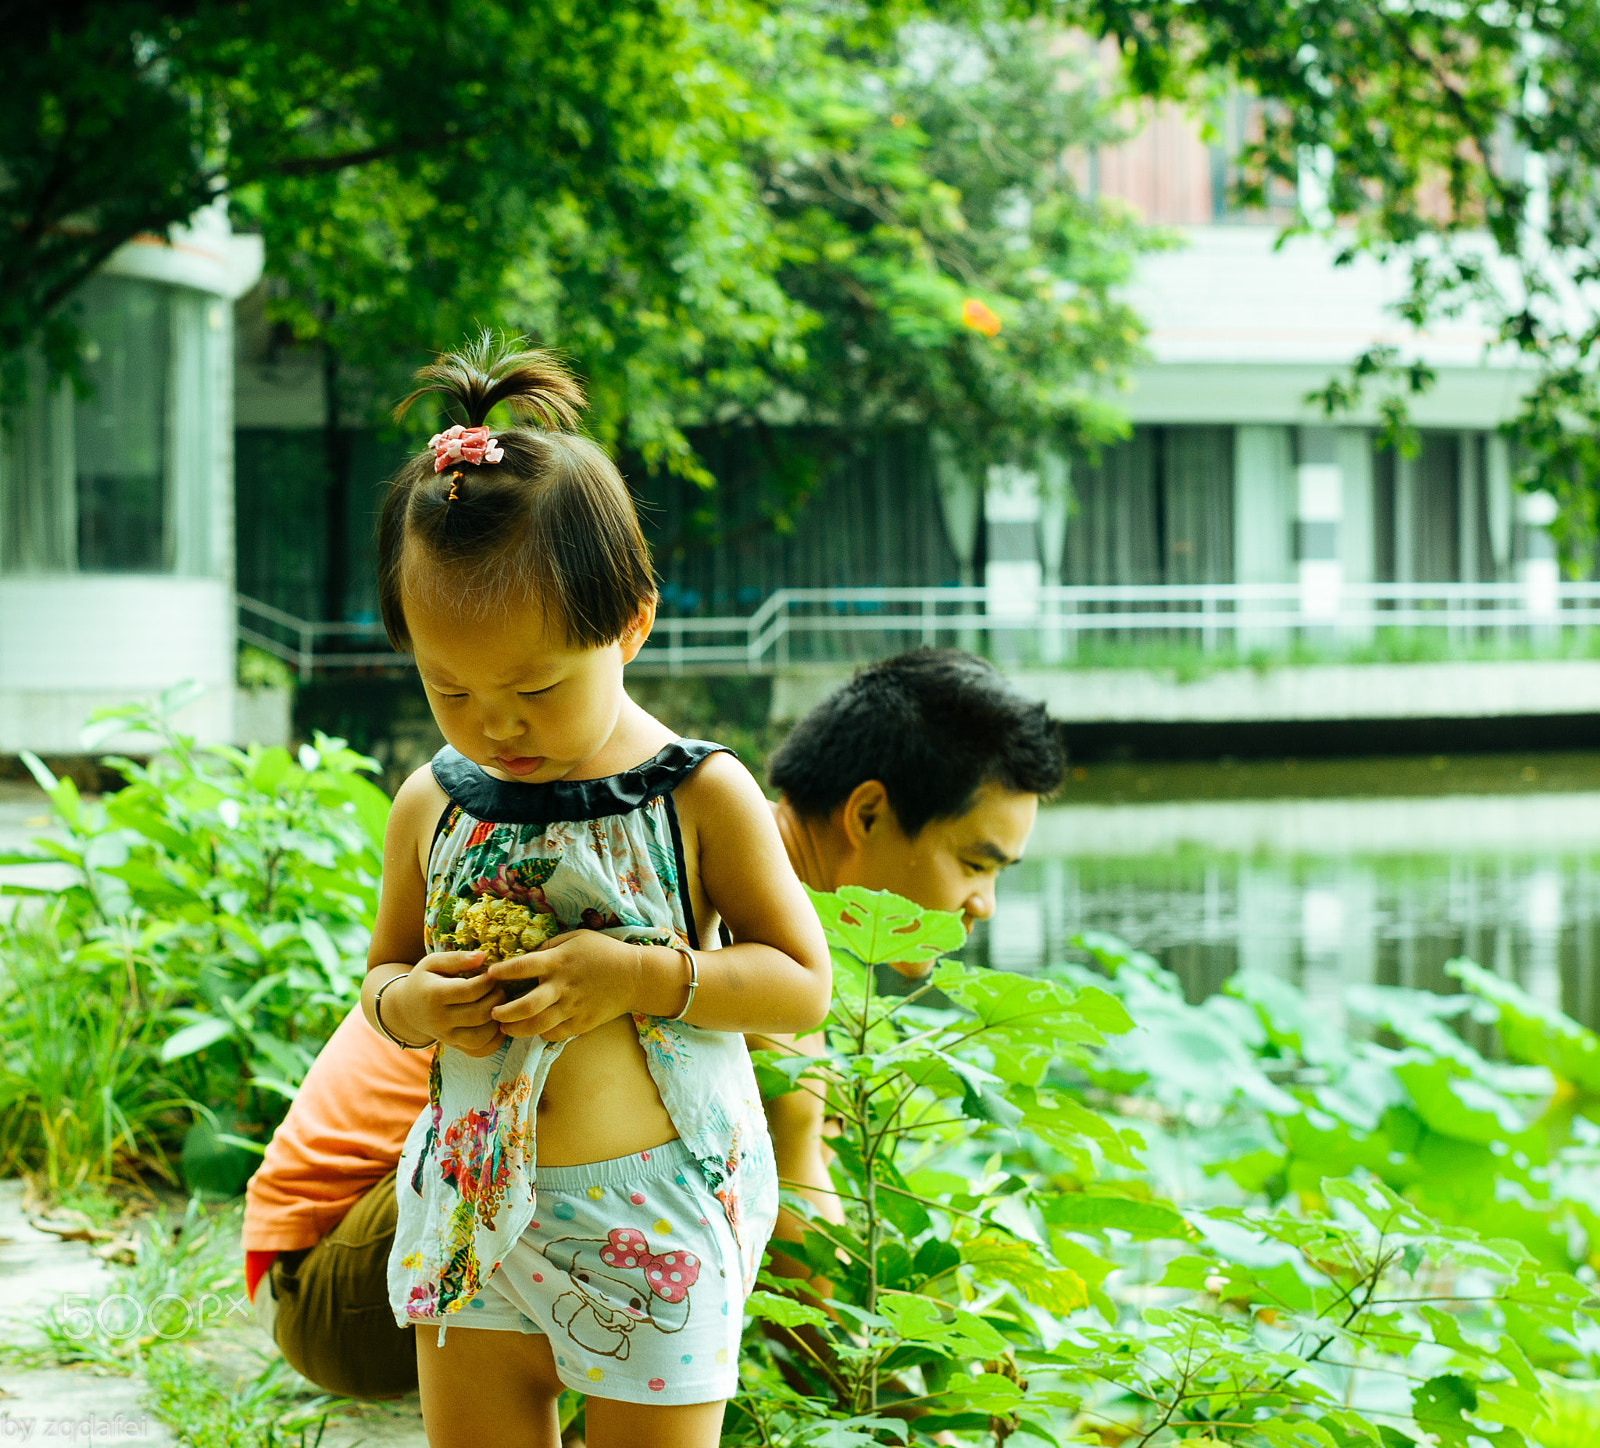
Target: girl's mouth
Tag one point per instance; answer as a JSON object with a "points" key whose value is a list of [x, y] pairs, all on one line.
{"points": [[517, 763]]}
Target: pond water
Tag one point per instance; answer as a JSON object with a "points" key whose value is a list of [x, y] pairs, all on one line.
{"points": [[1326, 872]]}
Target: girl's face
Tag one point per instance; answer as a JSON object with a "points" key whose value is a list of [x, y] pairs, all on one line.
{"points": [[512, 694]]}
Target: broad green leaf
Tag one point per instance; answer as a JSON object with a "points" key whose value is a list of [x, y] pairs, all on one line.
{"points": [[322, 946], [784, 1311], [916, 1319], [1058, 1290], [267, 769], [1294, 1433], [1455, 1104], [877, 927], [40, 771], [1532, 1031], [1085, 1212], [195, 1037], [1441, 1406], [985, 1393]]}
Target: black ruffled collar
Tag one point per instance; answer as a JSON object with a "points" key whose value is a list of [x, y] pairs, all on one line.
{"points": [[502, 802]]}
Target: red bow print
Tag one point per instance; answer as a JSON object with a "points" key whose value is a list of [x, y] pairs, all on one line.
{"points": [[670, 1275]]}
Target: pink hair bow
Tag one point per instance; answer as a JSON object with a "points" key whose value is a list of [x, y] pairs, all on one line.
{"points": [[670, 1275], [464, 445]]}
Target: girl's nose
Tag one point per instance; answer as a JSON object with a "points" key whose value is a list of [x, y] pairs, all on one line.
{"points": [[501, 724]]}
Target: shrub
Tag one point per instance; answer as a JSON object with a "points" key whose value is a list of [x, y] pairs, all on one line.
{"points": [[1004, 1270], [167, 998]]}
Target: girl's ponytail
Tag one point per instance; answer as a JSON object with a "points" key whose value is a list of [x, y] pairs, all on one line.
{"points": [[535, 385]]}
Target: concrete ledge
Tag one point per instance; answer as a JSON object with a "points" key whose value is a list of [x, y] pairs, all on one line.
{"points": [[1523, 688], [1460, 824], [50, 721], [1520, 688]]}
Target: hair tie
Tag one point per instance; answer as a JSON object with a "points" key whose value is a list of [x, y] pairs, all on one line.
{"points": [[464, 445], [454, 479]]}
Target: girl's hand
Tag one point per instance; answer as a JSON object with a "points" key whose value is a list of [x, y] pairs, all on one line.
{"points": [[582, 980], [446, 997]]}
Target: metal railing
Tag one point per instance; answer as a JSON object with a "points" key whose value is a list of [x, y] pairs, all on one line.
{"points": [[1040, 625], [300, 651]]}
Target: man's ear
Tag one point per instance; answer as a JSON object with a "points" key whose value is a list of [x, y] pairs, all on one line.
{"points": [[638, 631], [866, 811]]}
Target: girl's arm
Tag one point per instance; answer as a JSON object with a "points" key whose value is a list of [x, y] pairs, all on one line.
{"points": [[435, 1002], [777, 978]]}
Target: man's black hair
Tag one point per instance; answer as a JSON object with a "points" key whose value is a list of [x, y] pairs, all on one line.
{"points": [[932, 726]]}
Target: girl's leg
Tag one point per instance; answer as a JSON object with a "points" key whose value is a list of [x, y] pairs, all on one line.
{"points": [[610, 1424], [491, 1387]]}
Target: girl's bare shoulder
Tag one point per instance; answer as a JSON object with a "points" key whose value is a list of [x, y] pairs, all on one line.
{"points": [[721, 789], [418, 803]]}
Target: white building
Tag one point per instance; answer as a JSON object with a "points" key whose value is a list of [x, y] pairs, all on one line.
{"points": [[116, 509], [1232, 475]]}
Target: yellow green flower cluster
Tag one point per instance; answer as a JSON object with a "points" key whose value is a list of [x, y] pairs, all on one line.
{"points": [[499, 927]]}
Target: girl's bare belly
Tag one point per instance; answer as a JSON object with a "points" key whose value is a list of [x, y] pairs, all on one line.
{"points": [[600, 1100]]}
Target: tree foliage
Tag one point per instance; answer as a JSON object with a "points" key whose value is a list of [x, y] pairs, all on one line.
{"points": [[410, 167], [717, 208], [928, 221]]}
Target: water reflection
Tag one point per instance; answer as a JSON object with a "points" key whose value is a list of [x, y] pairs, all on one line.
{"points": [[1325, 891]]}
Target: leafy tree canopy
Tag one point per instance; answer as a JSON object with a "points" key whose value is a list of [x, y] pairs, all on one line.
{"points": [[927, 220], [716, 208], [409, 165]]}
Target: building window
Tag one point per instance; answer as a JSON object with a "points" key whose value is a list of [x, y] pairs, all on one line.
{"points": [[121, 479], [120, 430]]}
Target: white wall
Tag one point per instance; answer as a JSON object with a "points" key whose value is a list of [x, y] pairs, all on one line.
{"points": [[1241, 329], [71, 643]]}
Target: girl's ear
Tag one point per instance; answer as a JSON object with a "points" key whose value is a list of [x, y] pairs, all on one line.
{"points": [[638, 631]]}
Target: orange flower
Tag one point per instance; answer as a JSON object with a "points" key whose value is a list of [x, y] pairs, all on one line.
{"points": [[977, 316]]}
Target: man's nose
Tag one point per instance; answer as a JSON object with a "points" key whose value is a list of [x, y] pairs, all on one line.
{"points": [[979, 904]]}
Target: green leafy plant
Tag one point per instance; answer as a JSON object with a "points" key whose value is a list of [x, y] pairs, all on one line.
{"points": [[1005, 1271], [208, 935]]}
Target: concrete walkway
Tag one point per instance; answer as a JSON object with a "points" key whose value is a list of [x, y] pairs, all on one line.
{"points": [[38, 1270]]}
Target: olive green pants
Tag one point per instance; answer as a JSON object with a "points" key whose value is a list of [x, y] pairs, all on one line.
{"points": [[334, 1323]]}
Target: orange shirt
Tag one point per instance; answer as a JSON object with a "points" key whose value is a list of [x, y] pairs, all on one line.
{"points": [[344, 1131]]}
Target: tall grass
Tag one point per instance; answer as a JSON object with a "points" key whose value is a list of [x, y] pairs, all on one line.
{"points": [[81, 1091]]}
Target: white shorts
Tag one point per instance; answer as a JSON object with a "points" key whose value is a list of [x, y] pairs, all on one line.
{"points": [[632, 1272]]}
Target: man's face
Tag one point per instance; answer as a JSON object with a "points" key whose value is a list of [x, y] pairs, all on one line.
{"points": [[951, 864]]}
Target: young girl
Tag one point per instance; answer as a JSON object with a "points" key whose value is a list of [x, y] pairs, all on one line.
{"points": [[513, 568]]}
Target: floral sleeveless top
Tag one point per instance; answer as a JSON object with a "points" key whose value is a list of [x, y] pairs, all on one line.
{"points": [[603, 854]]}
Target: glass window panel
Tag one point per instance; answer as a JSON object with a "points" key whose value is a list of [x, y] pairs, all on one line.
{"points": [[121, 428], [38, 526]]}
